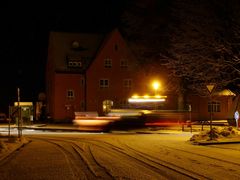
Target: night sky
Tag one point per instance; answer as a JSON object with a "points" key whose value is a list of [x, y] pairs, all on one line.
{"points": [[24, 39]]}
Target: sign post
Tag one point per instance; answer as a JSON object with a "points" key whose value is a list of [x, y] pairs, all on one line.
{"points": [[210, 88]]}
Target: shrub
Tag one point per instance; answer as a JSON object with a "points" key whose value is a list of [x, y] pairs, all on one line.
{"points": [[216, 133]]}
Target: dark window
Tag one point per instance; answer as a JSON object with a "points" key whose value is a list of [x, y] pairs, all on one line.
{"points": [[70, 94], [215, 106], [107, 63], [104, 83], [127, 83]]}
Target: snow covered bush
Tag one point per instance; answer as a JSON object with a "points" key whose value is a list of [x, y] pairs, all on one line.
{"points": [[215, 134]]}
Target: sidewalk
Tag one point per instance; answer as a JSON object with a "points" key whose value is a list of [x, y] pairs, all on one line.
{"points": [[149, 129]]}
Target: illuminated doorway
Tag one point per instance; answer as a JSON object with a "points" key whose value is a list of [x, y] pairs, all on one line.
{"points": [[107, 105]]}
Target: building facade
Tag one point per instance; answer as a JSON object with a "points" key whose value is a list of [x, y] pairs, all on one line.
{"points": [[96, 72], [88, 72]]}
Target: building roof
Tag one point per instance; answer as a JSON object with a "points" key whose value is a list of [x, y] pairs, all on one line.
{"points": [[225, 92], [64, 45]]}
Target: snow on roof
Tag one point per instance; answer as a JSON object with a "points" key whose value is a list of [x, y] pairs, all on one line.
{"points": [[225, 92]]}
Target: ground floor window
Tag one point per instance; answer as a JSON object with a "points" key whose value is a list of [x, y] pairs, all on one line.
{"points": [[107, 105], [70, 94], [215, 106]]}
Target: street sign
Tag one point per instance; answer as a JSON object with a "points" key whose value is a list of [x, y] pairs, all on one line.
{"points": [[236, 116], [210, 87]]}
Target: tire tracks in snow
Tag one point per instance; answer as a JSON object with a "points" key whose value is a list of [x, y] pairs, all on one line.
{"points": [[168, 170], [80, 159]]}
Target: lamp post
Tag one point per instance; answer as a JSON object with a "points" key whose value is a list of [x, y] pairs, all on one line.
{"points": [[19, 111], [156, 86]]}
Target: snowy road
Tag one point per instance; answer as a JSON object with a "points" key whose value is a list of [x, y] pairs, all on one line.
{"points": [[121, 156]]}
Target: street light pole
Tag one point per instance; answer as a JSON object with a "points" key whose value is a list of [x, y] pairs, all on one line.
{"points": [[156, 86], [19, 113]]}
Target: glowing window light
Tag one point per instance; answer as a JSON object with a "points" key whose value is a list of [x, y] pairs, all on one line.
{"points": [[132, 100], [147, 99], [135, 96], [146, 96]]}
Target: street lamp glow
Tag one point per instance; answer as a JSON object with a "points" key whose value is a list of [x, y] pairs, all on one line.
{"points": [[155, 85]]}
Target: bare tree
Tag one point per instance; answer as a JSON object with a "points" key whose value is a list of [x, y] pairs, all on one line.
{"points": [[197, 41]]}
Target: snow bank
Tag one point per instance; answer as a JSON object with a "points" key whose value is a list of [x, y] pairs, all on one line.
{"points": [[217, 134]]}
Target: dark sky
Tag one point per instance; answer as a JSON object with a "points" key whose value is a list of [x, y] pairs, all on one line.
{"points": [[24, 38]]}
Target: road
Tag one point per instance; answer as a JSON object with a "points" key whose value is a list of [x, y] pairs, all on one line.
{"points": [[120, 156]]}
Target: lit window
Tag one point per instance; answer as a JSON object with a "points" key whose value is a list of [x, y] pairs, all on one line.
{"points": [[123, 63], [70, 94], [74, 61], [75, 64], [107, 63], [104, 83], [127, 83], [215, 106]]}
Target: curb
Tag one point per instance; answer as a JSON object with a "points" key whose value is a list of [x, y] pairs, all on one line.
{"points": [[216, 143], [8, 153]]}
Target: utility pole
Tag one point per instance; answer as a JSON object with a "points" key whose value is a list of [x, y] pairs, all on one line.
{"points": [[19, 114]]}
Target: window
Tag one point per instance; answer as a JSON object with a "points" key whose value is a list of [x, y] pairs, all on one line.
{"points": [[123, 63], [70, 94], [124, 103], [104, 83], [107, 63], [127, 83], [74, 62], [214, 105]]}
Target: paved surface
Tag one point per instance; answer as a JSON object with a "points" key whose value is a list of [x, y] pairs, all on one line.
{"points": [[70, 127]]}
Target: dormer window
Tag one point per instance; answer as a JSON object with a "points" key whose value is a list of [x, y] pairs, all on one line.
{"points": [[74, 62], [107, 63]]}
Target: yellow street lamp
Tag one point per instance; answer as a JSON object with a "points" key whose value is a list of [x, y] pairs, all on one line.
{"points": [[156, 85]]}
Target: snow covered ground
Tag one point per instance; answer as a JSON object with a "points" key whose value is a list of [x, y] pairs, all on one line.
{"points": [[161, 155]]}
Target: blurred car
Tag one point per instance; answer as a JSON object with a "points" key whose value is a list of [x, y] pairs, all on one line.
{"points": [[3, 117]]}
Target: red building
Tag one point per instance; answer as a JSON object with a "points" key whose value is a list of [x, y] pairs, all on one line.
{"points": [[95, 72], [88, 72]]}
